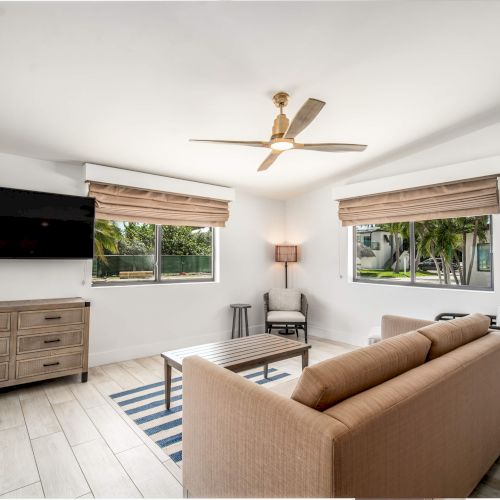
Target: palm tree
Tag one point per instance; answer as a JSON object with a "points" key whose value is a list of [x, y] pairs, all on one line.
{"points": [[397, 230], [106, 237], [480, 231], [447, 241], [426, 244]]}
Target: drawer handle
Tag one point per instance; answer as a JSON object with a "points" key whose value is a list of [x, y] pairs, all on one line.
{"points": [[53, 317], [50, 341], [51, 364]]}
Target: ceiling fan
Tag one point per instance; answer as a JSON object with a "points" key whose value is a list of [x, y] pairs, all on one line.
{"points": [[284, 132]]}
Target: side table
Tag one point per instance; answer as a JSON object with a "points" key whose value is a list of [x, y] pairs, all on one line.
{"points": [[239, 310]]}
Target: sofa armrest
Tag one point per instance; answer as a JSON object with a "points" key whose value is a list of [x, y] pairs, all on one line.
{"points": [[395, 325], [243, 440], [266, 306]]}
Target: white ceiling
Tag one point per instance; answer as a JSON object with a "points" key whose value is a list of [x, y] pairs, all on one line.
{"points": [[127, 83]]}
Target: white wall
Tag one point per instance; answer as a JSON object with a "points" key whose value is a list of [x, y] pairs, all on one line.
{"points": [[133, 321], [343, 310]]}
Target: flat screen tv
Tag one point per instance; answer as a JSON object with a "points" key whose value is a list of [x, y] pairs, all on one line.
{"points": [[35, 225]]}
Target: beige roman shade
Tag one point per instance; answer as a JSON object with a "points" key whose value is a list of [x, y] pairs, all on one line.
{"points": [[455, 199], [155, 207]]}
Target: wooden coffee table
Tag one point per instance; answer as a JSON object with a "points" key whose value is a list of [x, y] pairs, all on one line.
{"points": [[237, 355]]}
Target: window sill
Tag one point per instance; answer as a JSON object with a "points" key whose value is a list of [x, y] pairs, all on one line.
{"points": [[117, 284], [422, 285]]}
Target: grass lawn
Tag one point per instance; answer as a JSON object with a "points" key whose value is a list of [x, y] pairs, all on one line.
{"points": [[385, 274]]}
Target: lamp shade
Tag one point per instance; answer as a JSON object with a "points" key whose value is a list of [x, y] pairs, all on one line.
{"points": [[286, 253]]}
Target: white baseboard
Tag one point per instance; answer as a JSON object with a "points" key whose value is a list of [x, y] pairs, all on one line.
{"points": [[335, 335], [124, 353]]}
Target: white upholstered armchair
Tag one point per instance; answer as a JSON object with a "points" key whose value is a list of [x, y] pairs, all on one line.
{"points": [[286, 307]]}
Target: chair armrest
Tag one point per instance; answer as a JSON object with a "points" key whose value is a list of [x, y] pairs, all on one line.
{"points": [[243, 440], [304, 305], [395, 325]]}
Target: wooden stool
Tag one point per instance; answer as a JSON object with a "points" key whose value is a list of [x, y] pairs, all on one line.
{"points": [[237, 309]]}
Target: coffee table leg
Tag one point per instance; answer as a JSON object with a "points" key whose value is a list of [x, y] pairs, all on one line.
{"points": [[305, 358], [168, 384], [266, 370]]}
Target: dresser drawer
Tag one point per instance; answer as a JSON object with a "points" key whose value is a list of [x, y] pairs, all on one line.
{"points": [[49, 341], [4, 371], [4, 322], [41, 319], [41, 366], [4, 346]]}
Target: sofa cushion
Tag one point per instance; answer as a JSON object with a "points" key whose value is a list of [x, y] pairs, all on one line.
{"points": [[284, 299], [331, 381], [448, 335], [284, 316]]}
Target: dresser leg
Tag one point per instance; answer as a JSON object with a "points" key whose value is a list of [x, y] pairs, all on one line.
{"points": [[85, 377]]}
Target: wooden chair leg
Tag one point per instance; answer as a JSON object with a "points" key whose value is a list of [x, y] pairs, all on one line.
{"points": [[234, 323]]}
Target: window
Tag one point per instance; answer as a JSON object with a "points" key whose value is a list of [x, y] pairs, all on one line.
{"points": [[186, 252], [134, 252], [441, 252], [484, 257], [385, 254], [365, 239]]}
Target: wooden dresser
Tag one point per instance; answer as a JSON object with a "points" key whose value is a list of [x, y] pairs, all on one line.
{"points": [[42, 339]]}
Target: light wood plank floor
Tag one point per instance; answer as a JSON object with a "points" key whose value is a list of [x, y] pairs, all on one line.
{"points": [[64, 439]]}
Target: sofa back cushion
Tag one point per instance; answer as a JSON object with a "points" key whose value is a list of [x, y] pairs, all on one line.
{"points": [[284, 299], [448, 335], [329, 382]]}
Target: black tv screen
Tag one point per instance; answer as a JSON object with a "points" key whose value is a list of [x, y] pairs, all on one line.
{"points": [[35, 225]]}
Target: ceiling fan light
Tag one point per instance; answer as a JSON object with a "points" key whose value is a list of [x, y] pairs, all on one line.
{"points": [[281, 145]]}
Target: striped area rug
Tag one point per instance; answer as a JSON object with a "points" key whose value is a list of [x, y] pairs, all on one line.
{"points": [[145, 405]]}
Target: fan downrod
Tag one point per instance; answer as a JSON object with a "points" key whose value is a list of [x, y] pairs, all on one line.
{"points": [[281, 122]]}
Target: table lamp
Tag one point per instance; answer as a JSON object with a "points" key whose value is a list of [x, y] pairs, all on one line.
{"points": [[286, 254]]}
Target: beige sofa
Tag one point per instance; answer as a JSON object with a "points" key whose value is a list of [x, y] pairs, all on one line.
{"points": [[416, 415]]}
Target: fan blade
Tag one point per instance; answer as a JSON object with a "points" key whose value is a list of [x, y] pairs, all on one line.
{"points": [[307, 113], [332, 147], [269, 160], [255, 144]]}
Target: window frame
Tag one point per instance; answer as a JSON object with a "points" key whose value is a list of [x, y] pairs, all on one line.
{"points": [[412, 281], [157, 279]]}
